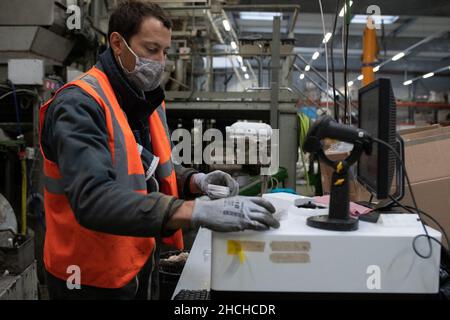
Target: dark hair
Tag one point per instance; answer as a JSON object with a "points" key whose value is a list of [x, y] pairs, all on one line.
{"points": [[126, 19]]}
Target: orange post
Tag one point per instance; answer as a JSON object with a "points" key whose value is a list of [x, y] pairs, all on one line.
{"points": [[370, 52]]}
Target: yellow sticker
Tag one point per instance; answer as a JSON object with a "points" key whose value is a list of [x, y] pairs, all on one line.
{"points": [[235, 247]]}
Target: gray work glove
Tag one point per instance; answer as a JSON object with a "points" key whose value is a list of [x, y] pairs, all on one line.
{"points": [[219, 178], [234, 214]]}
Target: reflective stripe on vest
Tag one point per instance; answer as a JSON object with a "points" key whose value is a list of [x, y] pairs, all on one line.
{"points": [[105, 260]]}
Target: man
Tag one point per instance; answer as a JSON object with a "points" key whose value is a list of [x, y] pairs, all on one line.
{"points": [[110, 185]]}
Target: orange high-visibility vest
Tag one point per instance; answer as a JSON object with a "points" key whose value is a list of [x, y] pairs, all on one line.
{"points": [[105, 260]]}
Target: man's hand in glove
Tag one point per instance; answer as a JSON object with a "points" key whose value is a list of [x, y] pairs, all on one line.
{"points": [[234, 214], [220, 178]]}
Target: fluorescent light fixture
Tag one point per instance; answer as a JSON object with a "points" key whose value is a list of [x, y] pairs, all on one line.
{"points": [[327, 37], [246, 76], [240, 60], [362, 19], [255, 15], [428, 75], [376, 69], [341, 13], [398, 56], [302, 76], [407, 82], [360, 77], [350, 83], [233, 45], [244, 69], [316, 55], [226, 25], [307, 68]]}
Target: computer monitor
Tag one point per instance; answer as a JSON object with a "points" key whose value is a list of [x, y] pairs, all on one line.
{"points": [[377, 115]]}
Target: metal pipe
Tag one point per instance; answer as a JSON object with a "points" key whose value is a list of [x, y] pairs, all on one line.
{"points": [[253, 7], [266, 88], [275, 66], [294, 21], [187, 8], [369, 56]]}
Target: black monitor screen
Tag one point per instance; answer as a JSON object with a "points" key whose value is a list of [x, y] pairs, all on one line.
{"points": [[377, 115], [368, 117]]}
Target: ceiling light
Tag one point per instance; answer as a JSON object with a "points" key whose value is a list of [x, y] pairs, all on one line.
{"points": [[377, 19], [428, 75], [316, 55], [307, 68], [376, 69], [233, 45], [327, 37], [226, 25], [407, 82], [360, 77], [398, 56], [341, 13], [302, 76], [350, 83], [240, 60], [244, 69], [255, 15], [246, 76]]}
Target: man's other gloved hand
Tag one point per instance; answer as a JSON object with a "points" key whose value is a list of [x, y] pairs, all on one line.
{"points": [[234, 214], [219, 178]]}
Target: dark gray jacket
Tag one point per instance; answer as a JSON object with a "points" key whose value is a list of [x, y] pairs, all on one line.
{"points": [[75, 137]]}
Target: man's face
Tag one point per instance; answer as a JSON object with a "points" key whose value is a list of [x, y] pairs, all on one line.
{"points": [[151, 42]]}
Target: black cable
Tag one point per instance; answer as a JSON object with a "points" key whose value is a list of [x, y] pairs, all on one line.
{"points": [[411, 210], [416, 208], [16, 106], [346, 28], [336, 107], [429, 240]]}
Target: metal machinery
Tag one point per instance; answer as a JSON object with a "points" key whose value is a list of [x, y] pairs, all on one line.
{"points": [[256, 88], [37, 44]]}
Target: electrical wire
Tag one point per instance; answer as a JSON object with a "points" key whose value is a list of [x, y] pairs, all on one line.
{"points": [[16, 107], [411, 210], [326, 53], [30, 92], [333, 75], [416, 208]]}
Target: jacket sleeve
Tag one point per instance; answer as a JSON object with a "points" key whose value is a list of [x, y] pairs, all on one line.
{"points": [[183, 181], [74, 136]]}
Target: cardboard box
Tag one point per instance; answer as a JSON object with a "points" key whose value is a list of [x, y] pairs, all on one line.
{"points": [[427, 156], [432, 197]]}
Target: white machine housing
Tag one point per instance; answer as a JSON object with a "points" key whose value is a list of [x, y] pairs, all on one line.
{"points": [[377, 258]]}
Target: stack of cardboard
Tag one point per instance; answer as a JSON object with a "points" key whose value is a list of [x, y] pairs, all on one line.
{"points": [[427, 156]]}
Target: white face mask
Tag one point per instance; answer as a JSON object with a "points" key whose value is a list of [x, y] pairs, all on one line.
{"points": [[147, 73]]}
